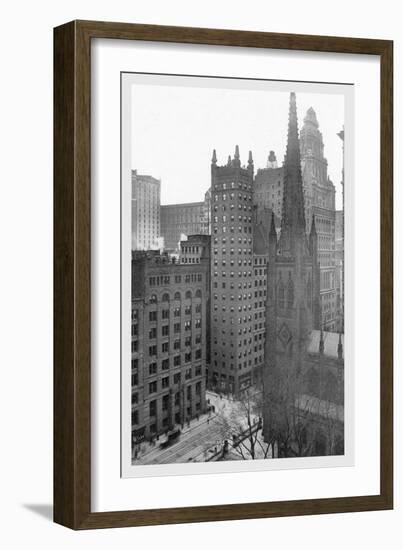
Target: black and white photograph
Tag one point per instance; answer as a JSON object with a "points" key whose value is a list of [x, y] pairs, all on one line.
{"points": [[236, 341]]}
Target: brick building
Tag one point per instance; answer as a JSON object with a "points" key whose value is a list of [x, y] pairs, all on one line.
{"points": [[231, 273], [195, 250], [146, 192], [168, 343]]}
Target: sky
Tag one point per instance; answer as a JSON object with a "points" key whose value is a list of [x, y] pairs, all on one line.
{"points": [[176, 122]]}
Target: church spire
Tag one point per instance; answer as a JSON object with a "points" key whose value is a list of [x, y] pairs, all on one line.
{"points": [[293, 216], [214, 158]]}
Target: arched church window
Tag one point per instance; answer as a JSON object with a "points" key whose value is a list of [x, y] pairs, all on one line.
{"points": [[281, 295], [309, 292], [290, 293]]}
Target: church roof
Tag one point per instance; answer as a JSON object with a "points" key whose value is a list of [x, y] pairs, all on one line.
{"points": [[320, 407], [260, 242], [330, 340], [293, 212]]}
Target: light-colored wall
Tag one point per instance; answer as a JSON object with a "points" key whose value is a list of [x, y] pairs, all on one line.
{"points": [[26, 274]]}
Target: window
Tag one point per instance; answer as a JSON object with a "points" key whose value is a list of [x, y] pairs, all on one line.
{"points": [[153, 299], [177, 378], [135, 346], [177, 327], [188, 294], [177, 294], [152, 369], [135, 314], [198, 308], [152, 350], [177, 312], [198, 323], [290, 293], [188, 375], [165, 347], [165, 364], [198, 293], [165, 382], [177, 344], [135, 398], [188, 357], [177, 360], [188, 310], [165, 402], [153, 407], [165, 330], [198, 370], [134, 330], [135, 379], [198, 354], [135, 417], [152, 316], [135, 364], [281, 295], [165, 313], [187, 325], [152, 387], [153, 333]]}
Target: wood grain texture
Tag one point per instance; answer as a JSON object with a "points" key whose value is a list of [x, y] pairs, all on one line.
{"points": [[72, 269]]}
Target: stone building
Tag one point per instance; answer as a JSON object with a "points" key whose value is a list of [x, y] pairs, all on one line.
{"points": [[146, 192], [298, 403], [319, 194], [169, 320], [180, 220], [195, 250], [268, 187], [231, 273]]}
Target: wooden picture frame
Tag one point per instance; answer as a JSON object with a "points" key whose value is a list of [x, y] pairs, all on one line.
{"points": [[72, 271]]}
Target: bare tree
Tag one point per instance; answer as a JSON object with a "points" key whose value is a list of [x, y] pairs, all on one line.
{"points": [[241, 426]]}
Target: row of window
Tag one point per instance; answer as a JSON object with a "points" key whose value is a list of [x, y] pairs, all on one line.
{"points": [[231, 196], [232, 240], [232, 285], [223, 229], [232, 185], [153, 299], [232, 274], [232, 219], [164, 280], [240, 207]]}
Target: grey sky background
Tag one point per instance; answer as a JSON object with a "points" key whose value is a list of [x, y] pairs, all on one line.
{"points": [[176, 127]]}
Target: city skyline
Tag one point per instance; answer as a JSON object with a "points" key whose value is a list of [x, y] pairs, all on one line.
{"points": [[187, 117]]}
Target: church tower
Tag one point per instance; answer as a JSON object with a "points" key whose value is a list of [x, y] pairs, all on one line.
{"points": [[292, 305]]}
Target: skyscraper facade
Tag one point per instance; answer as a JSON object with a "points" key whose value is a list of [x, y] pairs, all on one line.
{"points": [[146, 192], [319, 194], [231, 273]]}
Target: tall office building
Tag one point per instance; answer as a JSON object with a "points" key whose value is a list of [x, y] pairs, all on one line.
{"points": [[231, 273], [319, 194], [146, 192]]}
